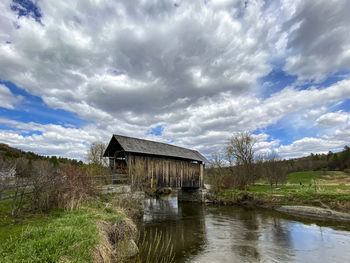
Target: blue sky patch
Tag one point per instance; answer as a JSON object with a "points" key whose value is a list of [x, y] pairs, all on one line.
{"points": [[157, 131], [85, 144], [26, 8], [344, 106], [290, 129], [327, 82], [30, 133], [33, 109], [275, 81]]}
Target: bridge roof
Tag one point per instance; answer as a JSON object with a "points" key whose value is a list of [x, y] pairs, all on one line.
{"points": [[135, 145]]}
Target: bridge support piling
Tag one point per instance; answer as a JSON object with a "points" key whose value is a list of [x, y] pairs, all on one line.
{"points": [[191, 195]]}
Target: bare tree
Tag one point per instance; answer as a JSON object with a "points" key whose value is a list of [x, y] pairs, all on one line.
{"points": [[74, 186], [44, 181], [20, 184], [7, 173], [95, 154], [274, 169], [240, 153], [216, 171]]}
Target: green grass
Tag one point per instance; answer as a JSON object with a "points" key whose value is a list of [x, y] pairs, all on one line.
{"points": [[329, 191], [61, 236], [72, 236], [14, 226], [306, 177]]}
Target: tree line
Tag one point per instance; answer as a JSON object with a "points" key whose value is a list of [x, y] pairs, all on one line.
{"points": [[240, 166], [10, 153]]}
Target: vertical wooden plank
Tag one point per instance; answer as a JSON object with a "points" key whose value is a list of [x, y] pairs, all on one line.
{"points": [[170, 173], [164, 172], [156, 163], [185, 174], [161, 167], [148, 171], [167, 172], [161, 170], [153, 175], [150, 168], [129, 166], [181, 174], [177, 174]]}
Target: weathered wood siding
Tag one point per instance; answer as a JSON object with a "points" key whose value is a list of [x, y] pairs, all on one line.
{"points": [[162, 172]]}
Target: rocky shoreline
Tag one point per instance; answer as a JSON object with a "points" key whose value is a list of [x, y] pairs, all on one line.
{"points": [[313, 212]]}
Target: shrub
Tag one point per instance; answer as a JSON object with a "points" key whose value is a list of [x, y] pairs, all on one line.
{"points": [[74, 187]]}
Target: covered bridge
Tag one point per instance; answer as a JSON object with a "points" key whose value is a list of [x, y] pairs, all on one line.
{"points": [[155, 164]]}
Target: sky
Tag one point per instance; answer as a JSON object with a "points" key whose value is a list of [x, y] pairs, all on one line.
{"points": [[188, 73]]}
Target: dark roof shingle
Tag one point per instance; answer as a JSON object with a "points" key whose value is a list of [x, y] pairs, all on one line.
{"points": [[136, 145]]}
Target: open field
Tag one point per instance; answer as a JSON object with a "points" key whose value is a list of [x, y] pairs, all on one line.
{"points": [[321, 177], [329, 190]]}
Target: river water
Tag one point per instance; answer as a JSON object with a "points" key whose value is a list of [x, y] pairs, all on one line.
{"points": [[202, 233]]}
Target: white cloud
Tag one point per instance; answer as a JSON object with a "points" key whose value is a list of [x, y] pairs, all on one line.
{"points": [[7, 99], [132, 54], [307, 145], [208, 124], [334, 140], [318, 40], [193, 68], [314, 113], [52, 139], [332, 119], [205, 125]]}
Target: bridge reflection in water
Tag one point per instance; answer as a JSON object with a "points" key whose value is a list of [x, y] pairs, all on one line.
{"points": [[235, 234], [182, 223]]}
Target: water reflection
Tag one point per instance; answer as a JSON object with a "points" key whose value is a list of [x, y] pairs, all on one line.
{"points": [[183, 223], [236, 234]]}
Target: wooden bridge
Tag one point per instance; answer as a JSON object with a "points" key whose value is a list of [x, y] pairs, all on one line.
{"points": [[155, 164]]}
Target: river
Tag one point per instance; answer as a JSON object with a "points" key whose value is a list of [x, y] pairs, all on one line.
{"points": [[207, 233]]}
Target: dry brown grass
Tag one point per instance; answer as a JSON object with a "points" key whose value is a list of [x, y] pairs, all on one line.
{"points": [[155, 247], [104, 252], [115, 239], [341, 206], [130, 203], [336, 178]]}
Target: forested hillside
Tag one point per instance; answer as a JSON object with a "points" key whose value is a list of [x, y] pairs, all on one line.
{"points": [[9, 153]]}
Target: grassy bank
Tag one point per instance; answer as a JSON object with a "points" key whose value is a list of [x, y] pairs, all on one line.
{"points": [[81, 235], [329, 190]]}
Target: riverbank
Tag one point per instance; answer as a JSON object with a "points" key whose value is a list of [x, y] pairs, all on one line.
{"points": [[325, 203], [97, 231], [317, 194]]}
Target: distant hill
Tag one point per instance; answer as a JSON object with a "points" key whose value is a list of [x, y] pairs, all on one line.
{"points": [[331, 161], [9, 153]]}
